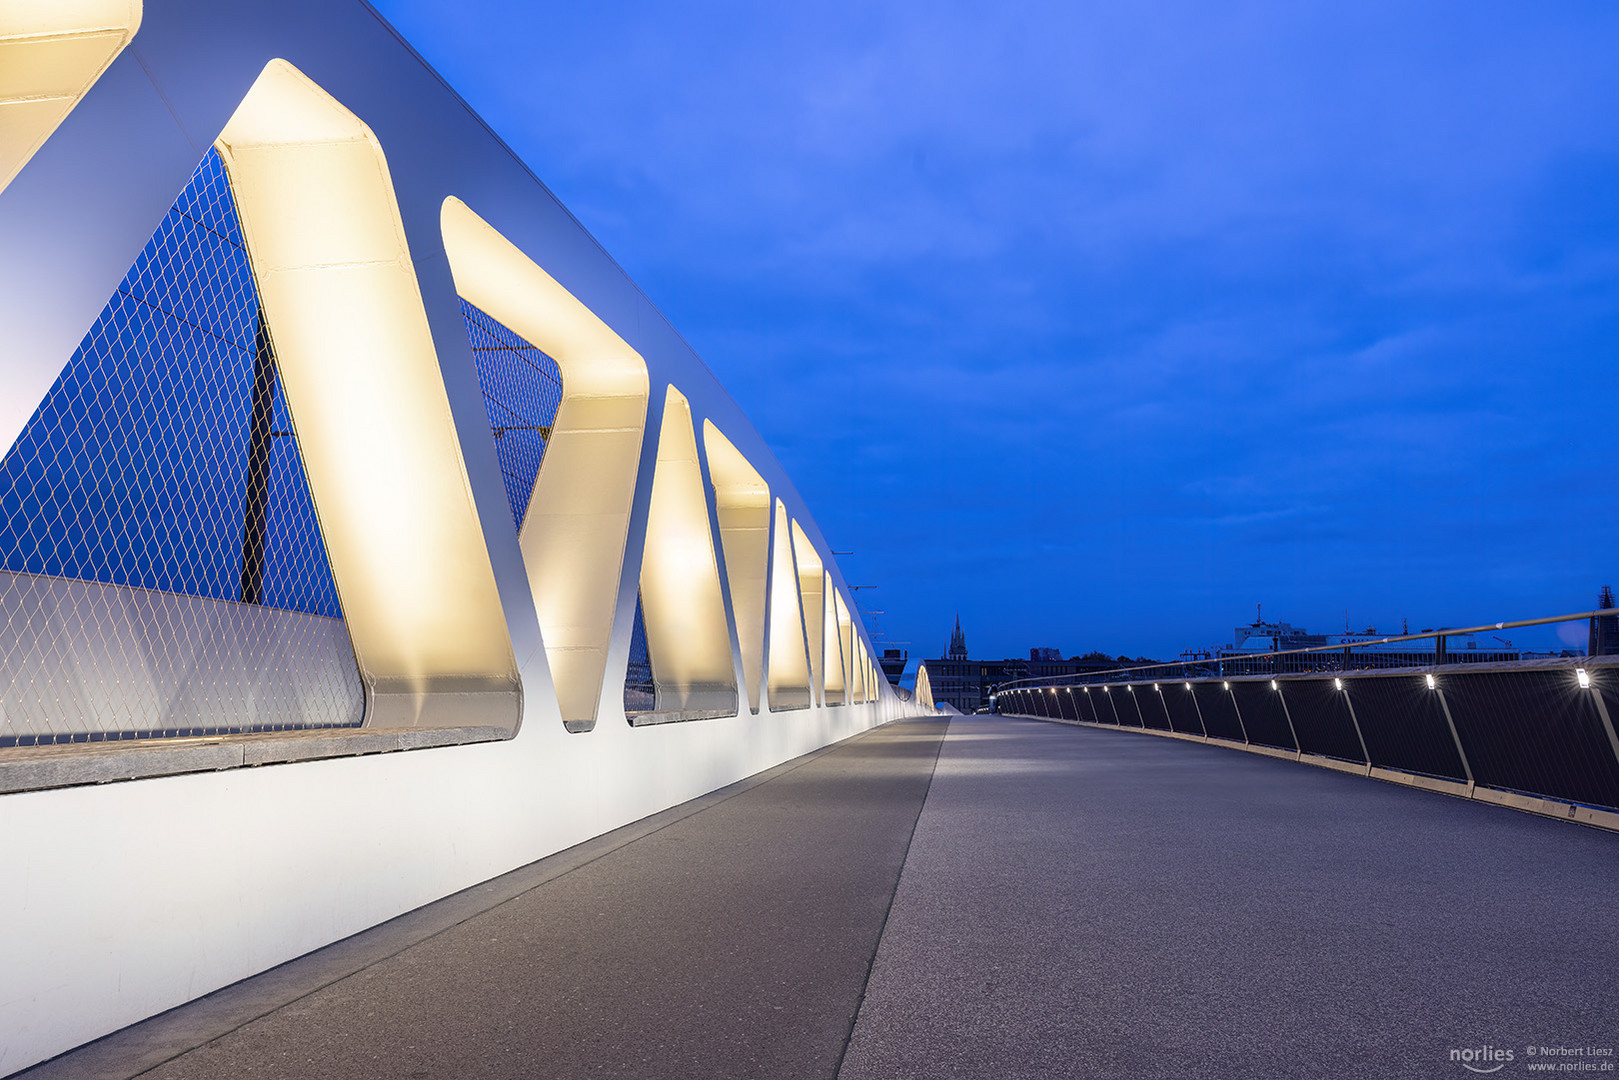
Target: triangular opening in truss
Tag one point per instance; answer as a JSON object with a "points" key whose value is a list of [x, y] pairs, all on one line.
{"points": [[162, 571], [522, 388], [640, 693]]}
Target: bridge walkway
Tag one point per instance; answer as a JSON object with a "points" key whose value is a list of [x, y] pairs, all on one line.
{"points": [[1008, 898]]}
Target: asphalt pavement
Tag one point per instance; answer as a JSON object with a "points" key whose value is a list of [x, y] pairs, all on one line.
{"points": [[1091, 903]]}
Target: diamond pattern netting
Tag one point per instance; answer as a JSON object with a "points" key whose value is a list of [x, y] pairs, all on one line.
{"points": [[157, 487], [522, 388], [640, 692]]}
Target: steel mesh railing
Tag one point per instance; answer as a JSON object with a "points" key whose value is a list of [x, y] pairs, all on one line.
{"points": [[640, 692], [162, 570], [1541, 727], [522, 389], [646, 700]]}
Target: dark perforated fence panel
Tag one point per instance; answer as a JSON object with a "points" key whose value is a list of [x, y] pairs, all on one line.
{"points": [[1404, 725], [1181, 702], [1262, 714], [1150, 700], [1321, 718], [1220, 717], [1534, 731]]}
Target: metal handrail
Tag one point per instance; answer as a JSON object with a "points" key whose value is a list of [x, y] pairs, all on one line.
{"points": [[1444, 632]]}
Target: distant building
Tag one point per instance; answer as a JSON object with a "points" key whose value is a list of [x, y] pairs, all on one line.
{"points": [[967, 684], [954, 677], [958, 642], [893, 663], [1604, 637], [1260, 637]]}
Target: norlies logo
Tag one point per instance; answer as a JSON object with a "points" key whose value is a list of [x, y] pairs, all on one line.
{"points": [[1484, 1059]]}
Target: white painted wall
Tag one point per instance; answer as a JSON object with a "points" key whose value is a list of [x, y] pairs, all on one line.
{"points": [[127, 899]]}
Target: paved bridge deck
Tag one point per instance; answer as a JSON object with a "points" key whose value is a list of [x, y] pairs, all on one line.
{"points": [[985, 898]]}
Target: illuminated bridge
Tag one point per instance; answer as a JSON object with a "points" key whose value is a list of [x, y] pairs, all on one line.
{"points": [[414, 665]]}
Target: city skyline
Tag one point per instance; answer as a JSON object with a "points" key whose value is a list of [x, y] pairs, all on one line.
{"points": [[1549, 638]]}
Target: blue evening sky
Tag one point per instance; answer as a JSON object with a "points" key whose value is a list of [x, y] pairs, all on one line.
{"points": [[1102, 322]]}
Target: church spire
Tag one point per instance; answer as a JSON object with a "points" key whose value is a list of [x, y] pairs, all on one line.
{"points": [[958, 641]]}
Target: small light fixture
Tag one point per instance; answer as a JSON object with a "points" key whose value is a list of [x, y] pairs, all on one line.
{"points": [[1155, 687], [1433, 683], [1584, 677], [1273, 685], [1337, 684], [1188, 686], [1227, 686], [1131, 688], [1087, 689]]}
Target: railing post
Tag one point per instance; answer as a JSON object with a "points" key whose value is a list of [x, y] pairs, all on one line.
{"points": [[1355, 720], [1607, 723], [1467, 769], [1238, 710], [1199, 710], [1281, 696]]}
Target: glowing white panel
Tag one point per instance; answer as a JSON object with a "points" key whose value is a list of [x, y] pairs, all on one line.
{"points": [[832, 647], [579, 515], [742, 500], [846, 641], [858, 690], [688, 638], [51, 53], [924, 688], [810, 572], [362, 383], [787, 679]]}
